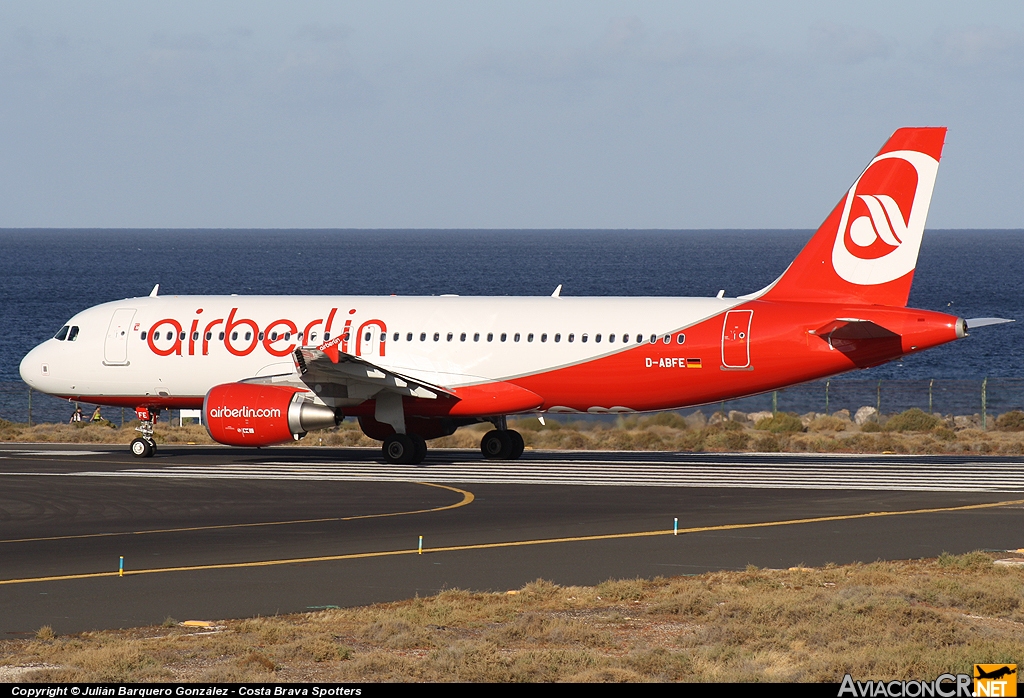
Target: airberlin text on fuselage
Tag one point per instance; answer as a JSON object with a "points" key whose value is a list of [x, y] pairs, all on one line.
{"points": [[241, 335], [244, 411]]}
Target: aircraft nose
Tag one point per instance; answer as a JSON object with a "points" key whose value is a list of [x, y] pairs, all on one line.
{"points": [[34, 367]]}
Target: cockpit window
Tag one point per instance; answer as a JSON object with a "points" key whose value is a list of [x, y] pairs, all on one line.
{"points": [[73, 333], [62, 334]]}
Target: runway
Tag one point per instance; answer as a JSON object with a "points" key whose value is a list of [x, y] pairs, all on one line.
{"points": [[211, 532]]}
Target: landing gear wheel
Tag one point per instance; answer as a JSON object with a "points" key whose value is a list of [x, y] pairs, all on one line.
{"points": [[141, 448], [518, 445], [399, 449], [496, 445], [421, 448]]}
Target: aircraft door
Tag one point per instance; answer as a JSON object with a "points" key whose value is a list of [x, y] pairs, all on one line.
{"points": [[736, 339], [115, 346]]}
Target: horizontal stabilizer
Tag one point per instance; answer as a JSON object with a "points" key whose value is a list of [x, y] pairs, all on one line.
{"points": [[976, 322], [852, 328]]}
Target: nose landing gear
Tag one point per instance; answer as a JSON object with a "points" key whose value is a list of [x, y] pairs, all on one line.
{"points": [[145, 446]]}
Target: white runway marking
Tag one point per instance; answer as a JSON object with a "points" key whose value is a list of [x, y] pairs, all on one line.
{"points": [[837, 474]]}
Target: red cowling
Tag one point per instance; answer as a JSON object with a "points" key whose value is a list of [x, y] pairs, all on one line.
{"points": [[246, 414]]}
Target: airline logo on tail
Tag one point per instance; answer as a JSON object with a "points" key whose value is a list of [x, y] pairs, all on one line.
{"points": [[883, 218]]}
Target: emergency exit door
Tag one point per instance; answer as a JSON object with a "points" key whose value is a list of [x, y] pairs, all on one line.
{"points": [[736, 339]]}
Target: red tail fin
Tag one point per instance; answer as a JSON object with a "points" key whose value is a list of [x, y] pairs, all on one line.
{"points": [[866, 250]]}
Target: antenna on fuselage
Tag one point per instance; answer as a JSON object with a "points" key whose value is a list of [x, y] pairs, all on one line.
{"points": [[156, 289]]}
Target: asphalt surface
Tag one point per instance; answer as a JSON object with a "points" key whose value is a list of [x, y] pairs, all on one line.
{"points": [[211, 533]]}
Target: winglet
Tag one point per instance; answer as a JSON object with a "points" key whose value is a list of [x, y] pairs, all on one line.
{"points": [[331, 349], [558, 292], [156, 289]]}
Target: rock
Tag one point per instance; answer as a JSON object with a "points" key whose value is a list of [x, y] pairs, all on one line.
{"points": [[967, 422], [716, 418], [842, 414], [696, 420], [756, 417], [865, 414], [737, 416]]}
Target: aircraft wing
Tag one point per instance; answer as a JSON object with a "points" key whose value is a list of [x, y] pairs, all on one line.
{"points": [[326, 364]]}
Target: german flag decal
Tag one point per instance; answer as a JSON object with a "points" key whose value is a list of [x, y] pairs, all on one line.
{"points": [[693, 363]]}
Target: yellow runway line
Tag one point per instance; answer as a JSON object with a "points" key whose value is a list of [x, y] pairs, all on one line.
{"points": [[467, 498], [512, 544]]}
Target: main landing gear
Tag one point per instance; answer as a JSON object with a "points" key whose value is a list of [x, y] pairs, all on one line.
{"points": [[405, 449], [502, 443], [145, 446]]}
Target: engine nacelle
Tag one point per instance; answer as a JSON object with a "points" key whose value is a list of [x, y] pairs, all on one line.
{"points": [[250, 414]]}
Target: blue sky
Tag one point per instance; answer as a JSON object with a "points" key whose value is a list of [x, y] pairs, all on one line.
{"points": [[497, 114]]}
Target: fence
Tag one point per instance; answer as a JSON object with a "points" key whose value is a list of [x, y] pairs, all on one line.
{"points": [[988, 397]]}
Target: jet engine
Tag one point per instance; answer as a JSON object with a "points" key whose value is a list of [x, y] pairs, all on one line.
{"points": [[250, 414]]}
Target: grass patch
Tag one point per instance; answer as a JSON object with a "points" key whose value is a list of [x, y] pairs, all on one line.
{"points": [[889, 620]]}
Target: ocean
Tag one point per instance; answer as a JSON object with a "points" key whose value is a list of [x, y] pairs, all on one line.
{"points": [[48, 275]]}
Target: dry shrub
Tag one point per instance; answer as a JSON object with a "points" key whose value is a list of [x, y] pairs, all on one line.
{"points": [[45, 633], [780, 422], [912, 420], [828, 424], [665, 419], [767, 444], [944, 433], [728, 440], [258, 660], [871, 426], [1010, 421]]}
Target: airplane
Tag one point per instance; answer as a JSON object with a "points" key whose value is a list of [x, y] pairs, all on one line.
{"points": [[265, 370]]}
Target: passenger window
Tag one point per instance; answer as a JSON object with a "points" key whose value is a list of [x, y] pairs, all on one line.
{"points": [[625, 339], [516, 338], [558, 337], [529, 337], [181, 336], [408, 337], [571, 336], [462, 337], [62, 333], [209, 336], [345, 336], [667, 339], [597, 338], [143, 335], [450, 335], [437, 336], [680, 338], [503, 336], [273, 336], [287, 336], [423, 336], [584, 338], [639, 339], [544, 337], [195, 336], [490, 336], [327, 336], [248, 336], [611, 339], [654, 339], [170, 335], [394, 337], [366, 337], [73, 333], [383, 336], [476, 336], [221, 336]]}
